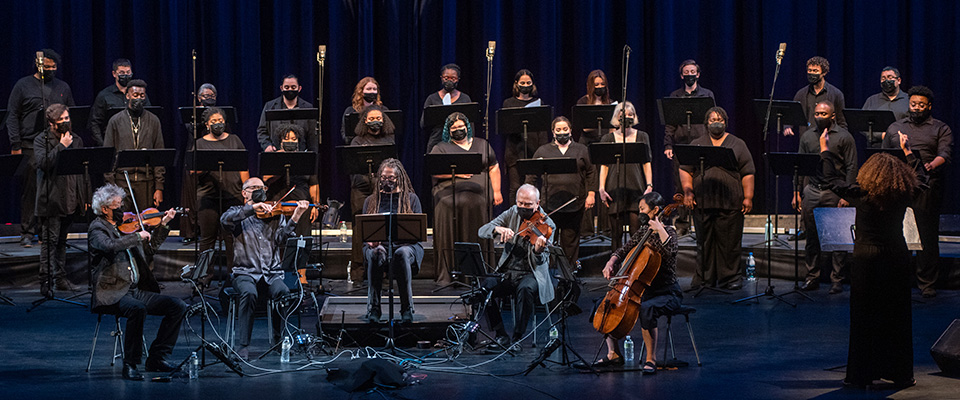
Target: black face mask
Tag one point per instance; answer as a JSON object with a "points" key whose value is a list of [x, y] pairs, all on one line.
{"points": [[888, 86], [630, 121], [388, 186], [290, 94], [689, 80], [525, 213], [374, 126], [63, 127], [208, 102], [124, 79], [458, 134], [136, 106], [117, 215], [643, 219], [218, 128], [290, 146], [716, 129], [525, 89], [48, 75], [370, 97], [563, 138], [259, 196], [823, 123], [813, 79], [449, 86], [919, 116], [600, 91]]}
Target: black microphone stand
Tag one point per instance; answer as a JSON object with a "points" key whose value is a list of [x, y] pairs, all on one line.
{"points": [[624, 216]]}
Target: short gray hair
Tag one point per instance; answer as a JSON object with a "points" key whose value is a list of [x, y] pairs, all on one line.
{"points": [[207, 86], [104, 196], [530, 189]]}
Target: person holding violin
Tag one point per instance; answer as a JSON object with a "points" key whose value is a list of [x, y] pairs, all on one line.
{"points": [[305, 187], [60, 198], [124, 285], [662, 295], [258, 233], [525, 230]]}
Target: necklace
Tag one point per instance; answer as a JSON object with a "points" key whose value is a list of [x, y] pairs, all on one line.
{"points": [[135, 127]]}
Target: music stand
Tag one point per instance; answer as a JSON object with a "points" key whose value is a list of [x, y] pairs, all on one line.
{"points": [[620, 154], [437, 115], [468, 256], [155, 110], [522, 120], [588, 116], [287, 164], [683, 111], [836, 227], [364, 159], [10, 165], [388, 228], [458, 163], [786, 112], [145, 158], [893, 151], [186, 113], [871, 123], [705, 157], [291, 114], [351, 120], [546, 166]]}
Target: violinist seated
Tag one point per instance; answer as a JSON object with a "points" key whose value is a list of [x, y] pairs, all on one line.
{"points": [[664, 292], [256, 256], [123, 284], [524, 262]]}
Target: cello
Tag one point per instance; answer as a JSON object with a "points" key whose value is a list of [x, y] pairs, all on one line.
{"points": [[619, 310]]}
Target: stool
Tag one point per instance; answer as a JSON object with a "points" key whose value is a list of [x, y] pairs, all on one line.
{"points": [[685, 311], [232, 296], [117, 333]]}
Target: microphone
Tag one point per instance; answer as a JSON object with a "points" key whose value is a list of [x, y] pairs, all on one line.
{"points": [[780, 51], [627, 49], [39, 62], [491, 47], [321, 53]]}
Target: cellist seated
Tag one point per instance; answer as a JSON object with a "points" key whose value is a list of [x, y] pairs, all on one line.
{"points": [[524, 264], [664, 292]]}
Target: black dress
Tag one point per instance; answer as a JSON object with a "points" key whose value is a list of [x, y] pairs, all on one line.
{"points": [[881, 331], [626, 194], [559, 188], [473, 205], [514, 148], [217, 194]]}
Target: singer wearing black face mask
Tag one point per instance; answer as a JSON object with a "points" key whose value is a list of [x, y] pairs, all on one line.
{"points": [[289, 99], [305, 187], [365, 94], [815, 194], [113, 96], [217, 193], [622, 194], [719, 199], [817, 90], [525, 265], [448, 94], [60, 198], [597, 94], [374, 128], [131, 129], [890, 98], [25, 121], [395, 195], [524, 94], [257, 271], [560, 188], [206, 97], [932, 140]]}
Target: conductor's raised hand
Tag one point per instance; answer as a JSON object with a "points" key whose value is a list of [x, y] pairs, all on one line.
{"points": [[905, 144]]}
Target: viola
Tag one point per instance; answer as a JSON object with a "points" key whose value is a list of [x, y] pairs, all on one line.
{"points": [[151, 217], [536, 226], [617, 314]]}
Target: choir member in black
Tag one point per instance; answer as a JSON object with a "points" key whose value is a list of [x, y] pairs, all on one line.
{"points": [[123, 284], [258, 270], [932, 140], [60, 198], [597, 94], [719, 198], [816, 195], [288, 100], [217, 193], [662, 296], [472, 193], [206, 97], [306, 187], [25, 121], [560, 188], [881, 333], [890, 98], [113, 96], [132, 129], [525, 265], [818, 90], [621, 187], [524, 93], [395, 195], [448, 94], [365, 94], [374, 128]]}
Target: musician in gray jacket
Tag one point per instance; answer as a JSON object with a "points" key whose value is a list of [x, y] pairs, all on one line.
{"points": [[124, 285]]}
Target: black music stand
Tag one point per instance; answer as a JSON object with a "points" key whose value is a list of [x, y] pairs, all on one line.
{"points": [[620, 154], [389, 228], [155, 110], [893, 151], [10, 165], [786, 113], [186, 113], [458, 163], [145, 158], [291, 114], [871, 123], [546, 166], [437, 115], [588, 116], [468, 256], [366, 159], [522, 120], [351, 120], [287, 164], [683, 111], [706, 157]]}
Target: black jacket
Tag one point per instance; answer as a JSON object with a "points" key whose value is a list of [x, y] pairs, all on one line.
{"points": [[111, 264], [57, 195]]}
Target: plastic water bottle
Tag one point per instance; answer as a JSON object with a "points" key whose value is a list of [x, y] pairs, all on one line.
{"points": [[193, 367], [628, 350], [554, 333], [285, 350], [751, 268], [768, 230], [343, 232]]}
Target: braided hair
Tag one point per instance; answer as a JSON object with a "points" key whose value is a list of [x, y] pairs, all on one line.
{"points": [[403, 183]]}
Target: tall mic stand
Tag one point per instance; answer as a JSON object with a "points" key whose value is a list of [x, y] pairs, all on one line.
{"points": [[622, 179]]}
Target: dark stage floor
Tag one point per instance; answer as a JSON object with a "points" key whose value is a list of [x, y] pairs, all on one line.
{"points": [[763, 349]]}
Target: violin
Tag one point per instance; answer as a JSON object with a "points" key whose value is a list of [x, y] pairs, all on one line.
{"points": [[536, 226], [285, 208], [617, 314], [151, 217]]}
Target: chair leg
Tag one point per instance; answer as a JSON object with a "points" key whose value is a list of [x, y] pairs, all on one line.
{"points": [[270, 322], [693, 341], [117, 342], [93, 348]]}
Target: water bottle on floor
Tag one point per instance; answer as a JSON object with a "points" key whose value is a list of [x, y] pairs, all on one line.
{"points": [[628, 351], [285, 350], [751, 268], [193, 366]]}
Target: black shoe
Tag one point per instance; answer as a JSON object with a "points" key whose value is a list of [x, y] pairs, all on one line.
{"points": [[130, 373], [26, 241], [928, 292], [157, 365], [499, 344], [605, 363], [810, 285], [45, 290], [64, 285], [736, 285], [649, 368], [188, 240], [373, 316], [836, 287], [406, 317]]}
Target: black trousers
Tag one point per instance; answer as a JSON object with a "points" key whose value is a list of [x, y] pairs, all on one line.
{"points": [[926, 209], [28, 194], [53, 246], [525, 288], [135, 306], [719, 235], [814, 197], [249, 292], [631, 218], [210, 230], [403, 261], [568, 225]]}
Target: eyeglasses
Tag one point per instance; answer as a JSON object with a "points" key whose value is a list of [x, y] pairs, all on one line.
{"points": [[254, 188], [390, 178]]}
